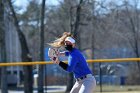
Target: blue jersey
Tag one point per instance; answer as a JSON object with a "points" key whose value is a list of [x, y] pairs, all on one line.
{"points": [[77, 63]]}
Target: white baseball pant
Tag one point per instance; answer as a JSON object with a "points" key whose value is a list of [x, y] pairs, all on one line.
{"points": [[86, 85]]}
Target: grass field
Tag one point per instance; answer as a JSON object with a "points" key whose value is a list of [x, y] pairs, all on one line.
{"points": [[105, 89], [115, 89], [118, 88], [120, 92], [107, 92]]}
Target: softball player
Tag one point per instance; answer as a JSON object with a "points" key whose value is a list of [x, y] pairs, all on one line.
{"points": [[85, 81]]}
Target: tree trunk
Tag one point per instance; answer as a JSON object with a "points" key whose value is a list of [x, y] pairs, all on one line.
{"points": [[93, 47], [76, 25], [0, 75], [69, 83], [3, 49], [77, 38], [25, 55], [41, 67]]}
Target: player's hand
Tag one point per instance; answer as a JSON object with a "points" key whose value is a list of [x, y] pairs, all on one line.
{"points": [[55, 60]]}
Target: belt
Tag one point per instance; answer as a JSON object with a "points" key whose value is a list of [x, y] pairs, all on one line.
{"points": [[83, 77]]}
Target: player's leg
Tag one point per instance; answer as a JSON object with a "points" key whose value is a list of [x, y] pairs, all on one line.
{"points": [[88, 85], [76, 87]]}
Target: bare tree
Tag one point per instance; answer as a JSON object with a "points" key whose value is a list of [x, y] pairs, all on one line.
{"points": [[25, 54], [133, 14], [41, 67], [77, 23], [77, 38], [4, 88]]}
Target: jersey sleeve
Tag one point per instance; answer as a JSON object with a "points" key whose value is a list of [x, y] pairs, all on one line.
{"points": [[63, 65]]}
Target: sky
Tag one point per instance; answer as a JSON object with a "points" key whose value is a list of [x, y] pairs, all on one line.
{"points": [[23, 3]]}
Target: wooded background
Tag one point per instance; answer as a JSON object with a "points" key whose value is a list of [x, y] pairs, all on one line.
{"points": [[102, 29]]}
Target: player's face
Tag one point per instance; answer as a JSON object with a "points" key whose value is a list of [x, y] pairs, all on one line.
{"points": [[68, 46]]}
